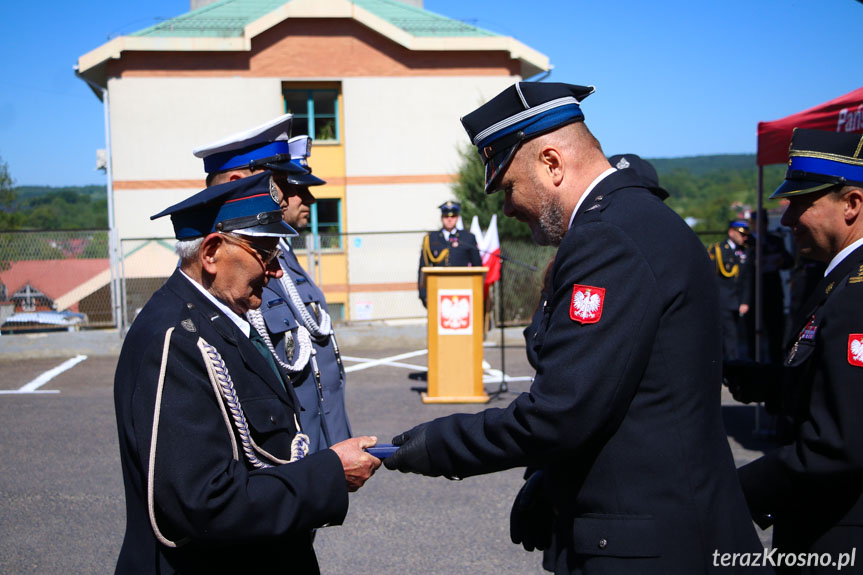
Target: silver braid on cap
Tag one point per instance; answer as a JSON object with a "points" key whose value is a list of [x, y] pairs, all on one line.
{"points": [[303, 341]]}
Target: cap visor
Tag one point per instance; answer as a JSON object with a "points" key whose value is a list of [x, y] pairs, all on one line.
{"points": [[305, 180], [286, 166], [799, 187], [495, 169], [276, 229]]}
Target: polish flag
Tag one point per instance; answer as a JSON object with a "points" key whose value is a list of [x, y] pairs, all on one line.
{"points": [[489, 249]]}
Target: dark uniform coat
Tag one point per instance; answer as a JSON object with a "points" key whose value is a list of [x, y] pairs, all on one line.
{"points": [[461, 251], [231, 517], [324, 417], [813, 487], [735, 278], [624, 413]]}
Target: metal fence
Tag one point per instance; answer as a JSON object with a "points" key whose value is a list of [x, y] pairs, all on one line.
{"points": [[66, 277], [54, 280]]}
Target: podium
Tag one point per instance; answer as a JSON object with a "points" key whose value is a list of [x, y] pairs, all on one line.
{"points": [[455, 334]]}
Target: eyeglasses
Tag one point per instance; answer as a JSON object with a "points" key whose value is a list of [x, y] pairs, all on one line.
{"points": [[266, 256]]}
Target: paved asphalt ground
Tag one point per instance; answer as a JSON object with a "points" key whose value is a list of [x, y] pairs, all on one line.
{"points": [[61, 490]]}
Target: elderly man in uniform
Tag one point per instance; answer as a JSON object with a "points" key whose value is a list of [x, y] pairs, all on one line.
{"points": [[447, 247], [733, 262], [811, 490], [294, 319], [215, 463], [622, 420]]}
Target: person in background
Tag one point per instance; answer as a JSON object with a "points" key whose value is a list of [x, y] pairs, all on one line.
{"points": [[294, 320], [774, 258], [447, 247], [733, 265]]}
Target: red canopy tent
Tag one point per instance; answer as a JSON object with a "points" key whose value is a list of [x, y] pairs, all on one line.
{"points": [[842, 114]]}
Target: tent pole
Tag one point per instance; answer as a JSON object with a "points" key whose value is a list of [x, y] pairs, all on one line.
{"points": [[758, 284]]}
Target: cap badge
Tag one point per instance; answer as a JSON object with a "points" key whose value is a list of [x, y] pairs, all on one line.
{"points": [[587, 303], [855, 349], [274, 190]]}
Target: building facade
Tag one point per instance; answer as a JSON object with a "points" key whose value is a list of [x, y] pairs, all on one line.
{"points": [[379, 84]]}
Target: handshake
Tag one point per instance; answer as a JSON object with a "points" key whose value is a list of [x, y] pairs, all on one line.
{"points": [[749, 381]]}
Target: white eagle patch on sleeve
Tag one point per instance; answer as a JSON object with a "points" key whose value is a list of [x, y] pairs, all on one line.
{"points": [[855, 349], [586, 305]]}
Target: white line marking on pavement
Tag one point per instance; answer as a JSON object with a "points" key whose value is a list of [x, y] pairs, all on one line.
{"points": [[494, 375], [367, 363], [33, 386]]}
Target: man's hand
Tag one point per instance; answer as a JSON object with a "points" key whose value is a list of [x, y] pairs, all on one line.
{"points": [[531, 520], [412, 455], [359, 465], [742, 377], [743, 309]]}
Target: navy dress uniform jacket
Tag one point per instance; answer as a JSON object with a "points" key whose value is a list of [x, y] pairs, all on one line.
{"points": [[324, 406], [735, 288], [624, 414], [813, 487], [233, 518], [463, 251]]}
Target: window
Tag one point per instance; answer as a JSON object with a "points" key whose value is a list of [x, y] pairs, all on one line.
{"points": [[316, 113], [326, 223]]}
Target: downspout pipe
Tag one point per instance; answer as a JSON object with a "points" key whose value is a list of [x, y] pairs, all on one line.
{"points": [[115, 256]]}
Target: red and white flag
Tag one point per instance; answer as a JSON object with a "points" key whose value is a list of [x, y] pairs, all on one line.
{"points": [[489, 249]]}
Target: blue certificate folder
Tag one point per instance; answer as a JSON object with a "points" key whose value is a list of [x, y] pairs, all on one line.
{"points": [[382, 450]]}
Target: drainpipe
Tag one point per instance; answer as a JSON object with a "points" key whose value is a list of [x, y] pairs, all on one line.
{"points": [[115, 255]]}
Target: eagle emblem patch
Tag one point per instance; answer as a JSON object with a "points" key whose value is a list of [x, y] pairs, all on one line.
{"points": [[855, 349], [586, 304]]}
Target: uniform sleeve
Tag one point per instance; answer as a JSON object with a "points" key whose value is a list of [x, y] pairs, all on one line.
{"points": [[587, 372], [200, 490], [828, 449], [420, 288]]}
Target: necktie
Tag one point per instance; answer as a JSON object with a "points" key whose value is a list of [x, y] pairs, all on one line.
{"points": [[258, 342]]}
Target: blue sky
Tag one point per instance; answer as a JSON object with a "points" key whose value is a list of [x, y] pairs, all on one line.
{"points": [[673, 78]]}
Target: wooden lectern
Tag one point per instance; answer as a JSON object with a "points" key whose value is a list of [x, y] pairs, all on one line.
{"points": [[455, 330]]}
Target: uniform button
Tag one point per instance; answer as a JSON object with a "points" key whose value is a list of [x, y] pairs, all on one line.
{"points": [[272, 419], [190, 305], [603, 543], [599, 199]]}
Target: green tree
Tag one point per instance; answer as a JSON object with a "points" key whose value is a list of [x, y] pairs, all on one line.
{"points": [[469, 190], [8, 219]]}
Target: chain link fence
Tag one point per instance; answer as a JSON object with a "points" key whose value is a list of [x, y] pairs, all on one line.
{"points": [[54, 280], [64, 277]]}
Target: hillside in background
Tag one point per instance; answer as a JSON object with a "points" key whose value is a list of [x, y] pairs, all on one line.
{"points": [[708, 189], [47, 208], [715, 189]]}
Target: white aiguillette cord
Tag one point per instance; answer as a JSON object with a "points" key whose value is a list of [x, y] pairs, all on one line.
{"points": [[223, 387], [303, 339], [318, 331]]}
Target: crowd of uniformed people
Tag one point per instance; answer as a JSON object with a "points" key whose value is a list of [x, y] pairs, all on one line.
{"points": [[230, 389]]}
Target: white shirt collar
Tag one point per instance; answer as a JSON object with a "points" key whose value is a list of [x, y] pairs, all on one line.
{"points": [[837, 259], [241, 323], [731, 243], [589, 189]]}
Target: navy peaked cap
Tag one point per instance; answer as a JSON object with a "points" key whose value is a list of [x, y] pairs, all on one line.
{"points": [[450, 208], [523, 111], [246, 206], [643, 169], [818, 160], [739, 225]]}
